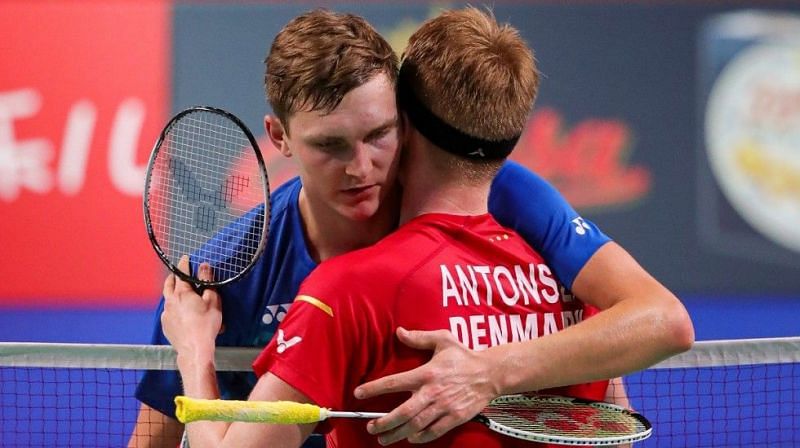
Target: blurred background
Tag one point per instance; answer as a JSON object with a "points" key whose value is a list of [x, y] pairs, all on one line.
{"points": [[674, 125]]}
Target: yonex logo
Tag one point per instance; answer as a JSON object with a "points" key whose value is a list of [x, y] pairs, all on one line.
{"points": [[275, 313], [580, 226], [284, 344], [478, 152]]}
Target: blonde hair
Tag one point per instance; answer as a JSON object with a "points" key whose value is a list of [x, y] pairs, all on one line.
{"points": [[476, 75]]}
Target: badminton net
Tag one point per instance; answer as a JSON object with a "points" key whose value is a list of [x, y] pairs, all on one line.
{"points": [[732, 393]]}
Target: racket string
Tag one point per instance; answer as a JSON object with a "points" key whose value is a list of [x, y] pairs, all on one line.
{"points": [[569, 420], [203, 201]]}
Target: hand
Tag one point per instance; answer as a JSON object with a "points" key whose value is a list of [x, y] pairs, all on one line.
{"points": [[449, 390], [190, 321]]}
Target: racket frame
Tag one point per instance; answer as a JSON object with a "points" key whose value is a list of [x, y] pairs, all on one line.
{"points": [[565, 440], [146, 196]]}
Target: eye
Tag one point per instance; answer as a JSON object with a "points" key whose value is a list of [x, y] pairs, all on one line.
{"points": [[379, 133], [383, 136], [330, 145]]}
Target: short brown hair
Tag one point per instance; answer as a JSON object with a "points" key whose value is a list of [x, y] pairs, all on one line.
{"points": [[476, 75], [320, 56]]}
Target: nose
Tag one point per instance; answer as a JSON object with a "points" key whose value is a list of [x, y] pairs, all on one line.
{"points": [[360, 163]]}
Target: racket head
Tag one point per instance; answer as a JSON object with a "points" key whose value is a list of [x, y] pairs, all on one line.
{"points": [[564, 420], [206, 195]]}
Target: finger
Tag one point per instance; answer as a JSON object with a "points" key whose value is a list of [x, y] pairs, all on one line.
{"points": [[400, 415], [212, 298], [180, 285], [423, 340], [412, 427], [183, 264], [399, 382], [204, 272], [169, 286], [435, 430]]}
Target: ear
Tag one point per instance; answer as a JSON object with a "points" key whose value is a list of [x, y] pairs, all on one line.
{"points": [[403, 125], [277, 134], [406, 130]]}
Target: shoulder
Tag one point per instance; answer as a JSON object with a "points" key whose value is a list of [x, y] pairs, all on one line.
{"points": [[524, 201], [285, 196], [343, 288], [347, 268], [370, 271], [285, 224], [515, 178]]}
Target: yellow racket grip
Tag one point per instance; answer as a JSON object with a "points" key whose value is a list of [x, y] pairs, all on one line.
{"points": [[283, 412]]}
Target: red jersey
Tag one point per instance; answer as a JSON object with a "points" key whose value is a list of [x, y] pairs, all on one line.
{"points": [[466, 274]]}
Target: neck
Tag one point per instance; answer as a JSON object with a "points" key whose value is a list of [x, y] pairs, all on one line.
{"points": [[428, 192], [329, 234]]}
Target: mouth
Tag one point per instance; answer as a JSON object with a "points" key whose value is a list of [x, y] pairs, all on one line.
{"points": [[358, 191]]}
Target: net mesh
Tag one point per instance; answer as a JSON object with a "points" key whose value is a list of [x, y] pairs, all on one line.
{"points": [[748, 405], [46, 407], [742, 393]]}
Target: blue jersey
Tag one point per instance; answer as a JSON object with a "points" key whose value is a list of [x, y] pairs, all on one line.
{"points": [[253, 306]]}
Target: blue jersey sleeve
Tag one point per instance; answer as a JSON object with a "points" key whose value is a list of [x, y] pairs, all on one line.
{"points": [[523, 201], [252, 306]]}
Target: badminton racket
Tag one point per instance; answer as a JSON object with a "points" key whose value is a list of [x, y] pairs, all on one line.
{"points": [[206, 195], [537, 418]]}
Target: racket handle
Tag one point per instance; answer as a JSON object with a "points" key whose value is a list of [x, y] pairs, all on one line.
{"points": [[284, 412]]}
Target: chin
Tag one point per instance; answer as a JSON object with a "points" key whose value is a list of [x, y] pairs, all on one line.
{"points": [[361, 212]]}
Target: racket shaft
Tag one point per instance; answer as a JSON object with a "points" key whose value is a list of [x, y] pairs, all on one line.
{"points": [[343, 414]]}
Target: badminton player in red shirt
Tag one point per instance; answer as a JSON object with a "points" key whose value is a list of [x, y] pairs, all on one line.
{"points": [[450, 266], [466, 86]]}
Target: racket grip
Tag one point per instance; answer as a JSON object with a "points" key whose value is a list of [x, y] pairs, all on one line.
{"points": [[189, 410]]}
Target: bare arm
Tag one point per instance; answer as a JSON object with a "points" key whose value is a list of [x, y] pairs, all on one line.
{"points": [[155, 430], [191, 322], [641, 324], [248, 435]]}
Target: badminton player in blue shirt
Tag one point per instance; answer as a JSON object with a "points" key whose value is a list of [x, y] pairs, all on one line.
{"points": [[342, 128]]}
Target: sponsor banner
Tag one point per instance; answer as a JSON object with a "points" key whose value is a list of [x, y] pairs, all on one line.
{"points": [[83, 94], [621, 127], [752, 134]]}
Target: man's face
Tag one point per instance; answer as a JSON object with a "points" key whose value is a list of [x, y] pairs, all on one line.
{"points": [[348, 157]]}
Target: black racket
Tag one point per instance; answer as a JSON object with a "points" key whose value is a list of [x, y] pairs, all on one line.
{"points": [[206, 195]]}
